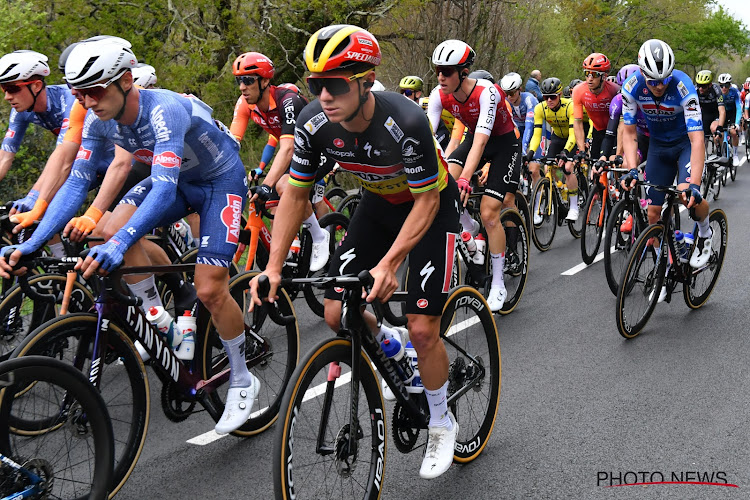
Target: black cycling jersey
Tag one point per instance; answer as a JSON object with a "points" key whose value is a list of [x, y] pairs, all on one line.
{"points": [[710, 101]]}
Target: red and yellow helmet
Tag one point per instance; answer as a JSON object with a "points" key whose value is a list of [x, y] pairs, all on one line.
{"points": [[597, 62], [253, 63], [341, 46]]}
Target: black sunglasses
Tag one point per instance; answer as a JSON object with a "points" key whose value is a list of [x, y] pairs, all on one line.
{"points": [[247, 80], [447, 71]]}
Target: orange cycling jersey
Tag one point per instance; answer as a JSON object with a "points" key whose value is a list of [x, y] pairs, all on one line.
{"points": [[597, 105], [277, 121]]}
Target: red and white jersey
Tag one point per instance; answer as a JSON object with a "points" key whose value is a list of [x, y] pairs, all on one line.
{"points": [[485, 111]]}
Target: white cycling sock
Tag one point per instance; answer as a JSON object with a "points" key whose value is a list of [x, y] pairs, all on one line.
{"points": [[146, 290], [498, 262], [316, 231], [239, 376], [704, 231], [438, 402], [573, 201], [467, 223], [57, 250], [735, 150]]}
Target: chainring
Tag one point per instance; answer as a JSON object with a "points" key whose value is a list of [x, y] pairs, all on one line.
{"points": [[43, 469], [175, 404], [405, 430]]}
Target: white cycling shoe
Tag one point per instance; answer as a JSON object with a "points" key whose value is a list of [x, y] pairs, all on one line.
{"points": [[701, 252], [736, 161], [439, 452], [320, 253], [497, 297], [573, 214], [239, 405]]}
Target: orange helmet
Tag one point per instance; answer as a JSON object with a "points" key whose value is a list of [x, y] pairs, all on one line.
{"points": [[253, 63], [341, 46], [597, 62]]}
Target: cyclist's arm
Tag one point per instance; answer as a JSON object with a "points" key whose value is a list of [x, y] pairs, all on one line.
{"points": [[737, 106], [536, 139], [697, 156], [578, 118], [457, 135], [615, 113], [281, 161], [528, 128], [117, 174], [434, 108], [57, 169], [268, 151], [240, 119], [571, 144], [6, 160]]}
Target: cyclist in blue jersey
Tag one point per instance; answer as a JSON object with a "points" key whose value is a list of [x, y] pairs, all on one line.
{"points": [[733, 107], [195, 166], [523, 104], [670, 103]]}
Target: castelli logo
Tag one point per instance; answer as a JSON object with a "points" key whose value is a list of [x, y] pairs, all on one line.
{"points": [[422, 303], [144, 156], [83, 154], [230, 217], [338, 289], [645, 90], [338, 143], [167, 159]]}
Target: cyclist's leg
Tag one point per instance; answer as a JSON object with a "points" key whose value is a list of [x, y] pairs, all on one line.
{"points": [[455, 166], [699, 212]]}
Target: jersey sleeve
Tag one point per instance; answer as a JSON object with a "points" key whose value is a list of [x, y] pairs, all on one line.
{"points": [[306, 156], [571, 144], [691, 108], [528, 129], [578, 102], [629, 108], [536, 139], [737, 107], [420, 155], [434, 108], [72, 128], [291, 106], [488, 100], [719, 96], [240, 119], [17, 126]]}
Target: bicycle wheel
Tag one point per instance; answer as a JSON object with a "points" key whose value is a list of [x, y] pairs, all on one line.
{"points": [[349, 205], [576, 227], [75, 459], [595, 214], [516, 268], [522, 205], [641, 283], [468, 331], [336, 224], [124, 384], [703, 280], [617, 243], [544, 232], [272, 356], [733, 171], [20, 315], [336, 195], [312, 458]]}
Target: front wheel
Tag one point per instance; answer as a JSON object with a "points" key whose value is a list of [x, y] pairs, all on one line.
{"points": [[595, 214], [516, 268], [703, 280], [544, 215], [619, 237]]}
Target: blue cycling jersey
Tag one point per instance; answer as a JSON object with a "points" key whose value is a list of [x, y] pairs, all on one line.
{"points": [[59, 102], [670, 117], [732, 103], [523, 117]]}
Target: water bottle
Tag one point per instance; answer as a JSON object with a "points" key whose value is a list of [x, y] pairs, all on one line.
{"points": [[295, 248], [187, 326], [183, 229], [689, 240], [468, 239], [416, 383], [682, 251], [394, 350], [481, 245], [163, 322]]}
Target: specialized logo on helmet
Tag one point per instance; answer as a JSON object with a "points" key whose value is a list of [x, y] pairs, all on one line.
{"points": [[230, 217], [367, 58], [167, 159], [144, 156]]}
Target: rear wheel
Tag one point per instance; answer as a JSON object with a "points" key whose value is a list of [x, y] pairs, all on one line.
{"points": [[595, 214], [349, 204], [544, 215]]}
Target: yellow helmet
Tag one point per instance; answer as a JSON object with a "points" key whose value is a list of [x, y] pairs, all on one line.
{"points": [[411, 82], [704, 77], [341, 46]]}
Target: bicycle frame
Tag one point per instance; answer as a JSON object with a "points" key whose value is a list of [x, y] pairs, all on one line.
{"points": [[36, 486]]}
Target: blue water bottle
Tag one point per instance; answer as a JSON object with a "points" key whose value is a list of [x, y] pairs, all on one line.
{"points": [[394, 350], [680, 247]]}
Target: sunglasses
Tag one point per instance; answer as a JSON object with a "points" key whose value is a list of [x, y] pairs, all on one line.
{"points": [[726, 85], [246, 80], [447, 71], [97, 90], [13, 88], [512, 93], [407, 92], [548, 97], [335, 85], [663, 81], [595, 74], [704, 85]]}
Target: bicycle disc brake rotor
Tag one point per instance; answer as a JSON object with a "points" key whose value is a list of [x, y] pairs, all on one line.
{"points": [[43, 469], [405, 430], [346, 459], [176, 405]]}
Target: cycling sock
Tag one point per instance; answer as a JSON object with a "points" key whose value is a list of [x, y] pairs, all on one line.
{"points": [[146, 290], [438, 404], [316, 231], [573, 199], [467, 223], [735, 150], [498, 262], [57, 250], [239, 376], [703, 230]]}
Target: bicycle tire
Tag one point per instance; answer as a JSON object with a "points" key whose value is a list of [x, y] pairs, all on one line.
{"points": [[643, 254], [301, 420], [349, 204], [733, 171], [576, 227], [336, 225], [544, 233], [273, 372], [515, 276], [522, 205], [336, 195], [593, 224], [725, 152], [130, 426], [615, 262], [87, 421], [693, 297]]}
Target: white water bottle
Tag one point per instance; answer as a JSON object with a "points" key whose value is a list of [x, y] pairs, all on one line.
{"points": [[183, 228], [163, 322], [416, 383], [187, 326], [481, 245], [468, 240]]}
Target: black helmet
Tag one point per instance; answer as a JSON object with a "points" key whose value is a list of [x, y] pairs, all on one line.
{"points": [[567, 92], [574, 82], [482, 74], [551, 86]]}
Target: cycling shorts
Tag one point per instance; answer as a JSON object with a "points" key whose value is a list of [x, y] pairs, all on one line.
{"points": [[643, 141], [707, 121], [556, 145], [664, 163], [219, 202], [504, 154], [597, 137], [372, 231]]}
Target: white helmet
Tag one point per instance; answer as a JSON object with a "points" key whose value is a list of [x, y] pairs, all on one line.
{"points": [[92, 62], [144, 75], [656, 59], [377, 87], [22, 65], [453, 53], [65, 53], [511, 82], [725, 78]]}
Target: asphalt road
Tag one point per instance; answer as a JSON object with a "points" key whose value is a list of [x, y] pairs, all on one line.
{"points": [[580, 405]]}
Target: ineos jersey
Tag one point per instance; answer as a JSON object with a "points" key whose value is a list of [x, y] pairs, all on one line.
{"points": [[59, 103], [485, 111], [596, 105], [284, 106], [395, 157]]}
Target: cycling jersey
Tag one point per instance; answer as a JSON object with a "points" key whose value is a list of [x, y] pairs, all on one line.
{"points": [[670, 117], [446, 116], [733, 105], [72, 131], [59, 102], [386, 160], [523, 117], [710, 100], [596, 105], [277, 121], [559, 120], [483, 112]]}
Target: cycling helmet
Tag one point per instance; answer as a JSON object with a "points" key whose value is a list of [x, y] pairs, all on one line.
{"points": [[453, 53], [69, 48], [746, 86], [597, 62], [625, 73], [377, 87], [253, 63], [144, 75], [511, 82], [482, 74], [656, 59], [411, 82], [23, 65], [612, 78], [341, 46], [574, 82], [725, 78], [551, 86], [92, 62], [289, 86], [704, 77], [567, 92]]}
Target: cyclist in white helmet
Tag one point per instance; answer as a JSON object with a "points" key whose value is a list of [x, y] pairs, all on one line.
{"points": [[144, 75], [733, 111]]}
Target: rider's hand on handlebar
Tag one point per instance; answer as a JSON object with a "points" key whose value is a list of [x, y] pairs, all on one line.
{"points": [[629, 180], [274, 280], [254, 174], [7, 266], [464, 189], [385, 283], [695, 195]]}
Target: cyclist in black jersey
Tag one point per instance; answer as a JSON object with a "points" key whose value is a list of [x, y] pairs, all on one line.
{"points": [[712, 104], [409, 207]]}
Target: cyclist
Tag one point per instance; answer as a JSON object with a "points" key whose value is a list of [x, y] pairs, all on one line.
{"points": [[491, 134], [144, 75], [275, 109], [712, 104], [557, 112], [672, 108], [411, 87], [733, 107], [195, 164], [613, 135], [409, 206], [523, 104]]}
